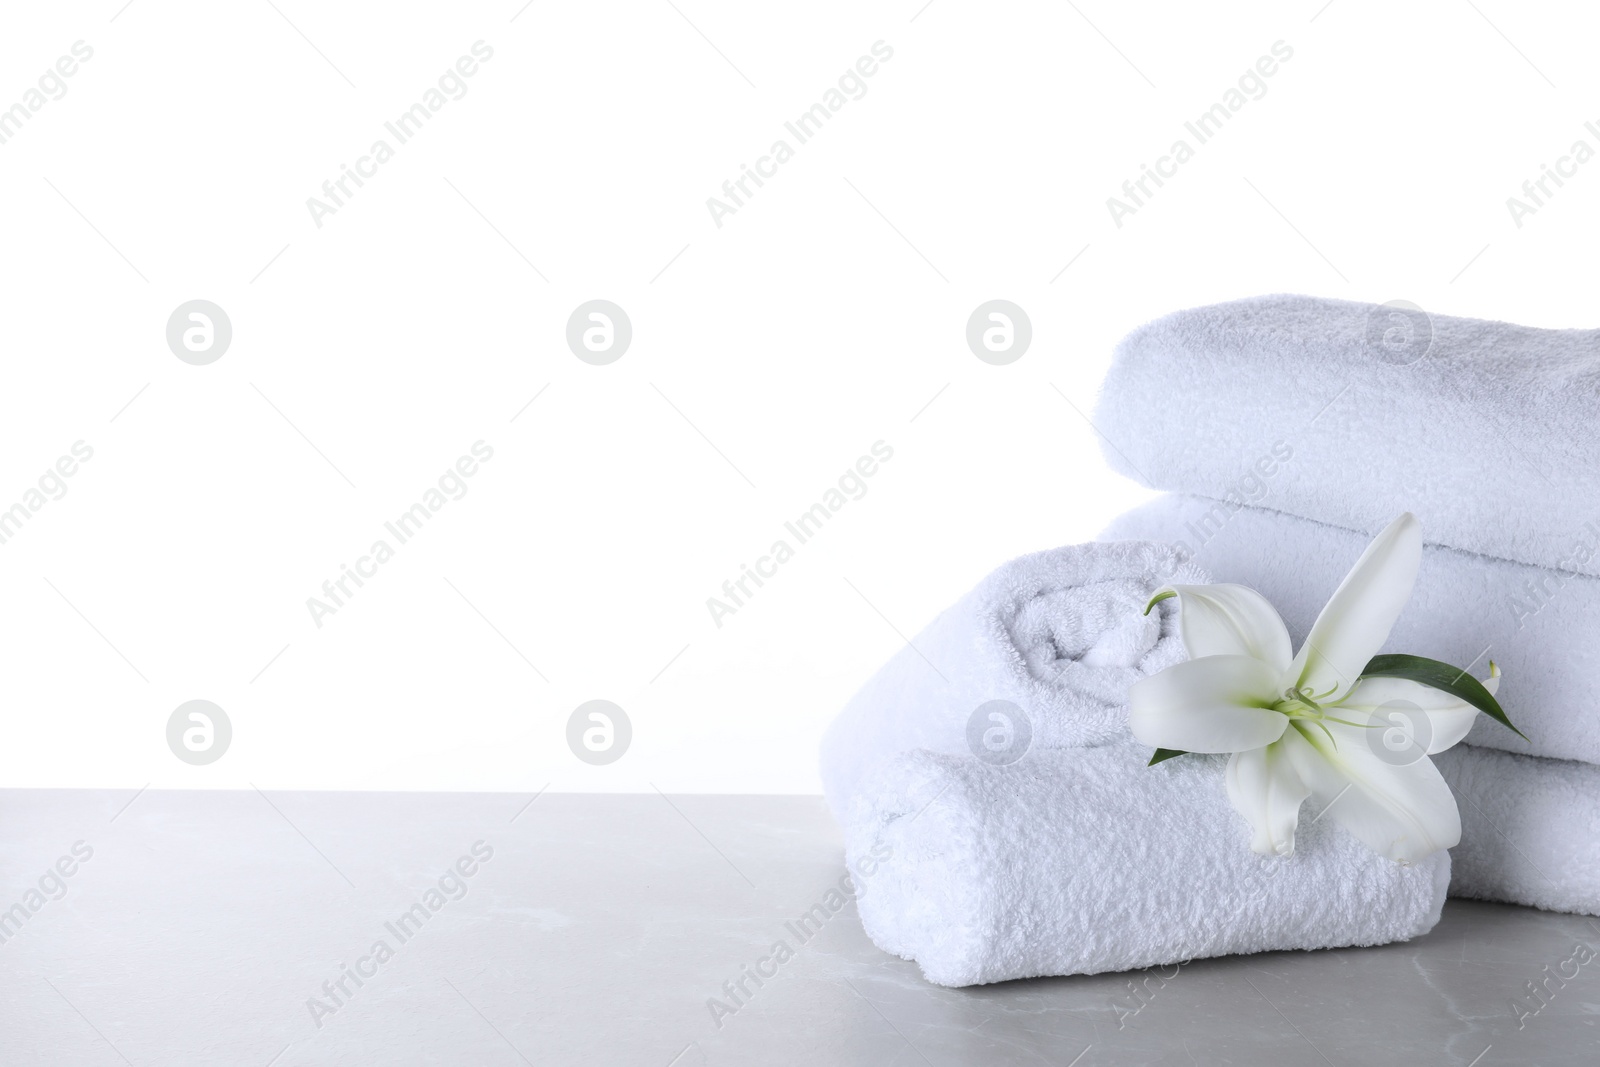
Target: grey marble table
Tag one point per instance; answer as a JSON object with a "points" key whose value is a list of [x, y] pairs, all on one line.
{"points": [[244, 928]]}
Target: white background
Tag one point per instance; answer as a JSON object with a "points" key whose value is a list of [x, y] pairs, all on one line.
{"points": [[822, 317]]}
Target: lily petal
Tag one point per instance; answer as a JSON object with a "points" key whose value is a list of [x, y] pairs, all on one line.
{"points": [[1449, 716], [1403, 812], [1267, 790], [1215, 704], [1358, 617], [1230, 620]]}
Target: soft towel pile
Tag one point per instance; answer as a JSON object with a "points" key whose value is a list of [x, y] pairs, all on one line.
{"points": [[1347, 413], [991, 763]]}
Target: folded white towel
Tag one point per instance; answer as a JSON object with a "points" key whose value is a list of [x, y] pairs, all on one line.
{"points": [[1352, 413], [1542, 628], [1080, 861], [1059, 636], [1530, 829]]}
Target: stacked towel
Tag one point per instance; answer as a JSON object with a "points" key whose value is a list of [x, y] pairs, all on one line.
{"points": [[1530, 827], [1078, 861], [1483, 430], [1348, 414], [1061, 852], [1057, 850]]}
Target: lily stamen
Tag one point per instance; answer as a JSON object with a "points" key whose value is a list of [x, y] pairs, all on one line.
{"points": [[1300, 696]]}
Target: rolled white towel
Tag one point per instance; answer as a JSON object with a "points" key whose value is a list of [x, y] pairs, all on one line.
{"points": [[1059, 636], [1541, 627], [1483, 430], [1079, 861], [1530, 829]]}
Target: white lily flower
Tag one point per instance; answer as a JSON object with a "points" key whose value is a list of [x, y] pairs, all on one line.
{"points": [[1302, 726]]}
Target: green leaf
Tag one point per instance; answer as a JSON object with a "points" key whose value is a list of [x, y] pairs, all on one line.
{"points": [[1164, 754], [1437, 675]]}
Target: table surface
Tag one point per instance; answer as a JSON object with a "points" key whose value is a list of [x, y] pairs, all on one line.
{"points": [[215, 928]]}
